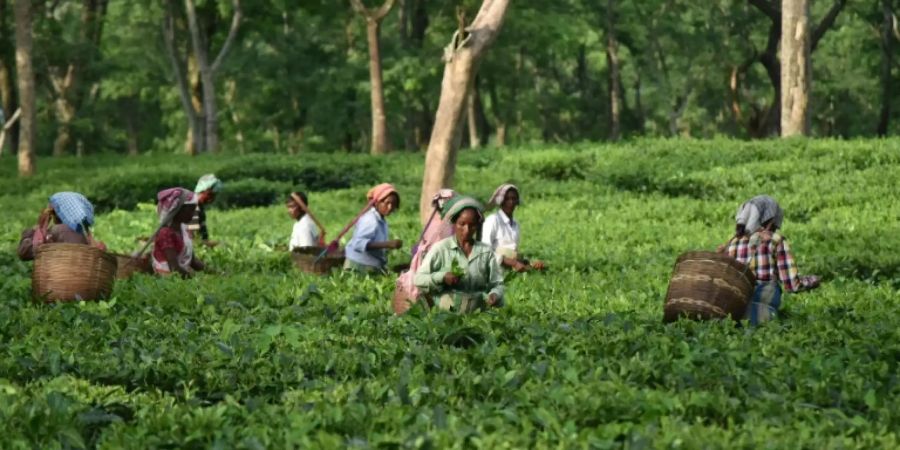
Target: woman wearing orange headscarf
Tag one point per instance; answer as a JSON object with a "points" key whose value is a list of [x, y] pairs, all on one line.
{"points": [[367, 250]]}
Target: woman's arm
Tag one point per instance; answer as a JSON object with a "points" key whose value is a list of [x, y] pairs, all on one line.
{"points": [[495, 283], [26, 245], [197, 265]]}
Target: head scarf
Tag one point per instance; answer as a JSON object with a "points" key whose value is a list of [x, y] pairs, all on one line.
{"points": [[170, 201], [73, 209], [456, 205], [208, 182], [498, 195], [439, 201], [380, 192], [757, 211]]}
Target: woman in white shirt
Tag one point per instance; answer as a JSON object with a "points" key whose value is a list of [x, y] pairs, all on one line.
{"points": [[501, 231], [305, 233]]}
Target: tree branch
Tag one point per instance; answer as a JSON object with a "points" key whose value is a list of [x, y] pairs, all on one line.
{"points": [[232, 33], [826, 23], [383, 10], [169, 38], [768, 8]]}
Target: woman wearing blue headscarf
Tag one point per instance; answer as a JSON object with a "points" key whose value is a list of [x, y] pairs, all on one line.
{"points": [[67, 219]]}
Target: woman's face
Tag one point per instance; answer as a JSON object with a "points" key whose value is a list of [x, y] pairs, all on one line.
{"points": [[466, 226], [388, 205], [510, 201], [293, 209]]}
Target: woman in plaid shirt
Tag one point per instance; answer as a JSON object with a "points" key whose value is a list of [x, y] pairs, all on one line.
{"points": [[758, 244]]}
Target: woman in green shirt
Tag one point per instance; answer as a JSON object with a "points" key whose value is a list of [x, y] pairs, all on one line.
{"points": [[460, 273]]}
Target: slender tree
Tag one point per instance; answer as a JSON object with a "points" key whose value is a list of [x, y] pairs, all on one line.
{"points": [[796, 68], [381, 143], [615, 78], [25, 78], [204, 125], [887, 63], [461, 59]]}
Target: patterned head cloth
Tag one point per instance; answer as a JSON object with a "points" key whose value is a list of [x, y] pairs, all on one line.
{"points": [[498, 195], [380, 192], [440, 199], [73, 209], [170, 201], [757, 211], [456, 205], [208, 182]]}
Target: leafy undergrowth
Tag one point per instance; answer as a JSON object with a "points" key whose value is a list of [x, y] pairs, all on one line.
{"points": [[267, 357]]}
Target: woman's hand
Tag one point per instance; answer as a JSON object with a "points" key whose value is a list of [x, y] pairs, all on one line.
{"points": [[519, 266], [450, 279], [538, 265], [493, 300], [394, 244], [810, 281]]}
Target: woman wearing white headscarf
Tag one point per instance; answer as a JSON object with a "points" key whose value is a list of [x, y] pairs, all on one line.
{"points": [[502, 232], [758, 244]]}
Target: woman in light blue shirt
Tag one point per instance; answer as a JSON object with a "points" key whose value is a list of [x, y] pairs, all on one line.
{"points": [[367, 251]]}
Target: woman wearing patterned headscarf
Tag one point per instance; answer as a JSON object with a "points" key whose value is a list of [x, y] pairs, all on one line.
{"points": [[502, 232], [438, 228], [460, 273], [173, 248], [758, 244], [208, 186], [367, 250], [68, 218]]}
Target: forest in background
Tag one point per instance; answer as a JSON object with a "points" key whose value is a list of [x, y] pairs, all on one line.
{"points": [[278, 76]]}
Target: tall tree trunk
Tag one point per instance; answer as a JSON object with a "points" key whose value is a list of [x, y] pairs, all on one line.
{"points": [[796, 70], [380, 141], [208, 70], [615, 80], [25, 75], [472, 117], [769, 120], [887, 63], [8, 100], [461, 58], [181, 79]]}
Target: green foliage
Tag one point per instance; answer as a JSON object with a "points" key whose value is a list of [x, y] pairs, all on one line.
{"points": [[267, 357]]}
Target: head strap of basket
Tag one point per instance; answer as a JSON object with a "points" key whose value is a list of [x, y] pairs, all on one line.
{"points": [[170, 201]]}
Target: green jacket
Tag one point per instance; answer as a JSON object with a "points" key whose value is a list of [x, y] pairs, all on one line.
{"points": [[482, 272]]}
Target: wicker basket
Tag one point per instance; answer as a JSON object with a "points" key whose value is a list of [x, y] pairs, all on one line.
{"points": [[128, 266], [65, 272], [305, 259], [707, 285]]}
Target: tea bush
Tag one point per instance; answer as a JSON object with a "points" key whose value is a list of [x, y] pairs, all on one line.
{"points": [[264, 356]]}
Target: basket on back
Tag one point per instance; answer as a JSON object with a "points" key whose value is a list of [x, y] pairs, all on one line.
{"points": [[305, 259], [128, 265], [708, 285], [65, 272]]}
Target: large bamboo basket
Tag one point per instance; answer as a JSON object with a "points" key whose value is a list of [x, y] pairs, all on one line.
{"points": [[305, 260], [708, 285], [128, 266], [66, 272]]}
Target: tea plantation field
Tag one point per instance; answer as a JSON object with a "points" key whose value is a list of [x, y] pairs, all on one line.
{"points": [[263, 356]]}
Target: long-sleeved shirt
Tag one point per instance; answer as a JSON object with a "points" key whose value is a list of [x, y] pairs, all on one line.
{"points": [[304, 234], [501, 233], [371, 227], [482, 271], [769, 256]]}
